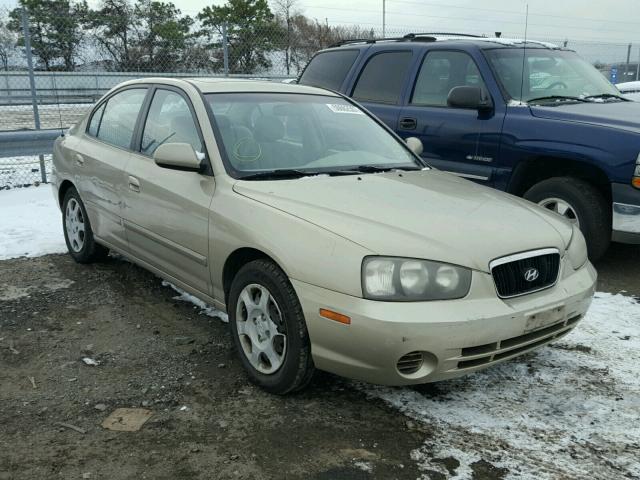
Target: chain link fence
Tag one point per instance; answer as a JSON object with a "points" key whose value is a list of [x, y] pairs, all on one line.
{"points": [[54, 64]]}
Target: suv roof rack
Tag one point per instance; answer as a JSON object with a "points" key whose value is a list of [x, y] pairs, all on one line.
{"points": [[409, 37]]}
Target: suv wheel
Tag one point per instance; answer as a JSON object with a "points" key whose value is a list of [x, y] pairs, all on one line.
{"points": [[77, 230], [580, 203], [268, 328]]}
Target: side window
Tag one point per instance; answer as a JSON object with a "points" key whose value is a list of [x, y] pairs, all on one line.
{"points": [[439, 73], [382, 78], [169, 121], [94, 124], [119, 117], [329, 69]]}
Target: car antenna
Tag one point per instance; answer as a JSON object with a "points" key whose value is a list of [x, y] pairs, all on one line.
{"points": [[524, 53]]}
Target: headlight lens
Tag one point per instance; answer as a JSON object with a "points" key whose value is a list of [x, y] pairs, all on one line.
{"points": [[577, 249], [411, 280]]}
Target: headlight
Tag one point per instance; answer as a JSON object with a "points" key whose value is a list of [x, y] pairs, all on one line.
{"points": [[577, 249], [411, 280]]}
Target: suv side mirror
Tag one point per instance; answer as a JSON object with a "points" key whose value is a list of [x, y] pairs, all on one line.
{"points": [[180, 156], [469, 97], [415, 145]]}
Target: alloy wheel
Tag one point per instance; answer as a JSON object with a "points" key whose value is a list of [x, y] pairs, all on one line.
{"points": [[74, 223], [261, 329], [561, 207]]}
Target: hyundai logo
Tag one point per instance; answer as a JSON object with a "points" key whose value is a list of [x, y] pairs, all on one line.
{"points": [[531, 274]]}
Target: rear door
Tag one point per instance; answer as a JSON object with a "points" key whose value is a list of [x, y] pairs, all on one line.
{"points": [[101, 156], [166, 214], [380, 84], [462, 141]]}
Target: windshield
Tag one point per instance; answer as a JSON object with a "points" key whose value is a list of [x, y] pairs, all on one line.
{"points": [[548, 74], [308, 134]]}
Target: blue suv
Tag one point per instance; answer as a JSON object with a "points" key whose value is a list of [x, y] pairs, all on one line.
{"points": [[560, 135]]}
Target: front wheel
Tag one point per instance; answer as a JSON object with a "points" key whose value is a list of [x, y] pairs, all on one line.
{"points": [[268, 328], [580, 203], [77, 230]]}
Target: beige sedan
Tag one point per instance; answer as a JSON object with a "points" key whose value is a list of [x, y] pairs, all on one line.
{"points": [[324, 236]]}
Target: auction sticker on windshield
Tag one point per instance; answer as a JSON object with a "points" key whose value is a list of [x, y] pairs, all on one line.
{"points": [[337, 108]]}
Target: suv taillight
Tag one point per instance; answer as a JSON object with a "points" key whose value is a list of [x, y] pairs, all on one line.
{"points": [[635, 181]]}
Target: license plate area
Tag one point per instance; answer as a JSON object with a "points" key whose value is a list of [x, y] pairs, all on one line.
{"points": [[540, 319]]}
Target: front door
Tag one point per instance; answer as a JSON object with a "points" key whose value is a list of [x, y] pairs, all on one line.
{"points": [[166, 214], [462, 141]]}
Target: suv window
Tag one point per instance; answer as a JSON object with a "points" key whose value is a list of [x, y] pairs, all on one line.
{"points": [[169, 120], [382, 78], [329, 69], [440, 72], [120, 116]]}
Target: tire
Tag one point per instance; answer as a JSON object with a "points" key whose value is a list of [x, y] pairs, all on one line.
{"points": [[77, 230], [591, 210], [288, 367]]}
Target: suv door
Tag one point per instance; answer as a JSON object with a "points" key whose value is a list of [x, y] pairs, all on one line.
{"points": [[166, 213], [380, 84], [462, 141], [101, 156]]}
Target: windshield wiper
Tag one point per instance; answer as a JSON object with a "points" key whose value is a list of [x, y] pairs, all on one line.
{"points": [[608, 95], [283, 173], [369, 169], [558, 97]]}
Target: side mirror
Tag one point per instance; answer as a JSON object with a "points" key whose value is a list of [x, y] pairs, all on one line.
{"points": [[180, 156], [415, 145], [469, 97]]}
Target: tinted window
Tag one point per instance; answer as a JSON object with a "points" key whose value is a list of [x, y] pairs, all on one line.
{"points": [[119, 117], [439, 73], [95, 120], [382, 78], [169, 121], [328, 70]]}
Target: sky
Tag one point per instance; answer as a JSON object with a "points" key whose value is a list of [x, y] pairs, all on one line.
{"points": [[579, 21]]}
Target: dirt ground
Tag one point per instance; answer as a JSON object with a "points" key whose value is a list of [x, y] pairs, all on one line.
{"points": [[159, 353]]}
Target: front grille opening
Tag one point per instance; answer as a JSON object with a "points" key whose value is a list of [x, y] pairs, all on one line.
{"points": [[474, 363], [511, 342], [410, 363], [574, 320], [479, 350], [510, 278], [516, 351]]}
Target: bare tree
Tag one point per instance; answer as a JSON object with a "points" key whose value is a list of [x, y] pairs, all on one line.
{"points": [[286, 11], [8, 44]]}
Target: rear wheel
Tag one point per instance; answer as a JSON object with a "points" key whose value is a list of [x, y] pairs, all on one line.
{"points": [[77, 230], [580, 203], [268, 328]]}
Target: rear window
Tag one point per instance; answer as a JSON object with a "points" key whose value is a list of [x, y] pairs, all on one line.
{"points": [[329, 69], [382, 78]]}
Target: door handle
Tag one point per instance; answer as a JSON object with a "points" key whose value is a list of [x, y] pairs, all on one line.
{"points": [[408, 123], [134, 184], [79, 160]]}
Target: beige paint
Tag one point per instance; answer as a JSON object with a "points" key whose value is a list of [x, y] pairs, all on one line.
{"points": [[183, 226]]}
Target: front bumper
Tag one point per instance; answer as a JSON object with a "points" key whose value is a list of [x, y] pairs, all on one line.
{"points": [[626, 214], [455, 337]]}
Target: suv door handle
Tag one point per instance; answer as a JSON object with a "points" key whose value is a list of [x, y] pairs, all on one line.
{"points": [[79, 160], [134, 184], [408, 123]]}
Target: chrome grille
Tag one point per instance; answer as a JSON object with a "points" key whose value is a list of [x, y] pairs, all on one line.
{"points": [[513, 275]]}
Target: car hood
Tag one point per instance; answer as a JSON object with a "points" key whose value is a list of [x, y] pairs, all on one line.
{"points": [[622, 115], [425, 214]]}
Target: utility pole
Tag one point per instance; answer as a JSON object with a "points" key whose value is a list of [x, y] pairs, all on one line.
{"points": [[626, 68], [384, 18]]}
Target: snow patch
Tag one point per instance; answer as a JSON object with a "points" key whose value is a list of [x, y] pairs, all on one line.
{"points": [[569, 410], [30, 223], [205, 309]]}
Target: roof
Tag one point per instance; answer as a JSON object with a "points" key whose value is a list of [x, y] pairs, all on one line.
{"points": [[425, 38], [231, 85]]}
